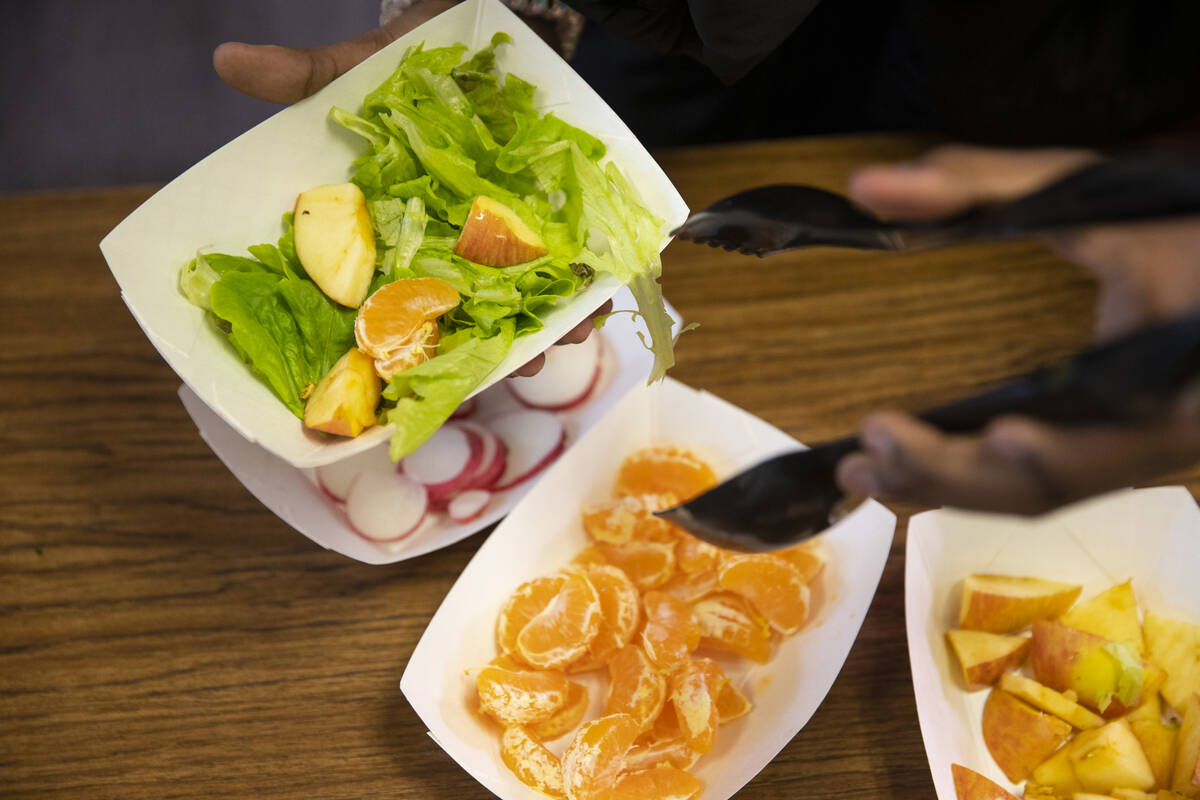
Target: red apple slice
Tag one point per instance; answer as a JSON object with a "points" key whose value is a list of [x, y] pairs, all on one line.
{"points": [[533, 440], [491, 462], [386, 507], [469, 505], [567, 379], [495, 236], [446, 462], [337, 478]]}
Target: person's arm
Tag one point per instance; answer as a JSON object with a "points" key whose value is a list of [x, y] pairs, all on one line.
{"points": [[1146, 272]]}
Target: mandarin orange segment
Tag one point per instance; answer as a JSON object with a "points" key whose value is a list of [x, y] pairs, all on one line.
{"points": [[588, 557], [394, 312], [613, 520], [805, 558], [416, 349], [670, 633], [529, 760], [596, 756], [666, 726], [772, 586], [514, 697], [693, 555], [566, 718], [620, 611], [664, 782], [731, 703], [728, 623], [694, 691], [664, 470], [675, 752], [563, 629], [509, 661], [523, 605], [635, 687], [648, 564], [693, 587]]}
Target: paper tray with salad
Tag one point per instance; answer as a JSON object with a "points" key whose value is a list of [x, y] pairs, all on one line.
{"points": [[476, 226]]}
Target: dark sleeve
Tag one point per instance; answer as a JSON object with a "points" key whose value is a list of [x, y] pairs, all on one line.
{"points": [[729, 36]]}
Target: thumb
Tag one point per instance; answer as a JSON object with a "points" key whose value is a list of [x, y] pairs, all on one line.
{"points": [[950, 179], [288, 74]]}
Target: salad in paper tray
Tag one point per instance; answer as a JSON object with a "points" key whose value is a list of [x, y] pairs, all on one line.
{"points": [[390, 298]]}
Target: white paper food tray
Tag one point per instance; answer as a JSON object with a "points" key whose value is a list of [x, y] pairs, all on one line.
{"points": [[543, 532], [1149, 535], [235, 197]]}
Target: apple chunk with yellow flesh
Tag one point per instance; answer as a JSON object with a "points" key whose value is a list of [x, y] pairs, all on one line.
{"points": [[1018, 736], [1159, 740], [1186, 779], [344, 400], [1107, 677], [1054, 777], [1108, 757], [970, 785], [335, 241], [985, 656], [1175, 646], [1005, 604], [493, 235], [1112, 614], [1048, 700]]}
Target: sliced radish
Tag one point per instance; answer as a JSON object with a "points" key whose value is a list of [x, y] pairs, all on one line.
{"points": [[466, 409], [386, 507], [337, 478], [446, 462], [491, 463], [468, 505], [566, 380], [533, 438]]}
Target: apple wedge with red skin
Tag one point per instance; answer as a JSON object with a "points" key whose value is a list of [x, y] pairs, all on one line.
{"points": [[1006, 604], [493, 235], [984, 657], [1018, 736], [344, 400], [1065, 658], [970, 785]]}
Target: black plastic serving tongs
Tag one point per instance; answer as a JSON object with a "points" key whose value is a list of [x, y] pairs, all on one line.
{"points": [[791, 497], [1126, 188]]}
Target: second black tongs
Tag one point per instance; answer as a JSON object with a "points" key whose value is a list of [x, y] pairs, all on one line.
{"points": [[1125, 188]]}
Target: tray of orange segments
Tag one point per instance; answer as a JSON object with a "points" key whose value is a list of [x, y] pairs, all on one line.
{"points": [[638, 605], [592, 651]]}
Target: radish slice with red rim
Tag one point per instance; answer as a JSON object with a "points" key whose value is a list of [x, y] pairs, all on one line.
{"points": [[565, 381], [492, 460], [466, 409], [469, 505], [337, 478], [533, 439], [386, 507], [446, 462]]}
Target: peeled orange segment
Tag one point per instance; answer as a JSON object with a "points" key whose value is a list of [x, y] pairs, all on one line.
{"points": [[728, 623], [587, 557], [731, 704], [694, 692], [665, 728], [805, 559], [529, 760], [670, 633], [692, 587], [596, 756], [516, 698], [612, 520], [636, 687], [563, 629], [648, 564], [664, 470], [416, 349], [693, 555], [773, 587], [509, 661], [620, 611], [566, 718], [675, 752], [529, 600], [395, 311], [664, 782]]}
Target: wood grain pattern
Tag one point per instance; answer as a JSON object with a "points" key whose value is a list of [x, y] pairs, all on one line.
{"points": [[162, 635]]}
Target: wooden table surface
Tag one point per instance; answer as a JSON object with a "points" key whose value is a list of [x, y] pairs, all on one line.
{"points": [[163, 635]]}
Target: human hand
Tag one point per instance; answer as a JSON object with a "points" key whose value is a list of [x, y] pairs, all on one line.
{"points": [[287, 75], [1146, 272]]}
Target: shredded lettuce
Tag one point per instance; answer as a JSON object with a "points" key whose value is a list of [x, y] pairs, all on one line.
{"points": [[444, 128], [1130, 675]]}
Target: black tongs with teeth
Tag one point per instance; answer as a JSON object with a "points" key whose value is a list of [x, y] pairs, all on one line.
{"points": [[1126, 188]]}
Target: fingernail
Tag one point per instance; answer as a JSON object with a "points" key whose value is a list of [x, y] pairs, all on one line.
{"points": [[878, 439], [859, 478]]}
